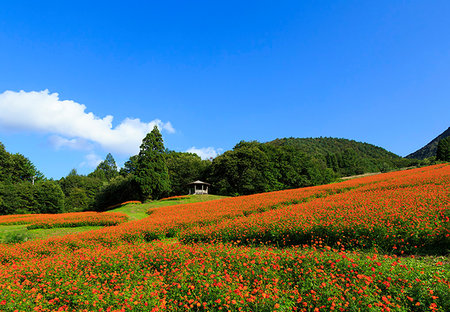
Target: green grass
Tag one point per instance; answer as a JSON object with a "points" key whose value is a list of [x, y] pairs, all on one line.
{"points": [[11, 234], [139, 211]]}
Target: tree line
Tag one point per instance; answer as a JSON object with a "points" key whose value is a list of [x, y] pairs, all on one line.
{"points": [[23, 188], [154, 173]]}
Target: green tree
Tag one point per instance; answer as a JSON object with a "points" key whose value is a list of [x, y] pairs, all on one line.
{"points": [[253, 167], [183, 169], [80, 191], [73, 172], [77, 200], [130, 166], [23, 197], [246, 169], [4, 164], [443, 149], [119, 190], [23, 169], [151, 170], [15, 168], [17, 198], [106, 170], [49, 197], [332, 161], [351, 162]]}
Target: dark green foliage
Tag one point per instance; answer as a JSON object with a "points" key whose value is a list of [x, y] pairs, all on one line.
{"points": [[17, 198], [77, 200], [119, 190], [151, 169], [347, 157], [24, 197], [129, 166], [324, 145], [80, 191], [49, 197], [4, 159], [15, 168], [106, 170], [244, 170], [252, 167], [17, 192], [430, 149], [184, 168], [443, 150]]}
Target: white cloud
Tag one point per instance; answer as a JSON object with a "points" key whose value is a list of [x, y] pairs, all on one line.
{"points": [[91, 160], [204, 152], [59, 142], [45, 112]]}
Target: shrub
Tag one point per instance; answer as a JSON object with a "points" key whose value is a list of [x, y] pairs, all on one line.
{"points": [[119, 190]]}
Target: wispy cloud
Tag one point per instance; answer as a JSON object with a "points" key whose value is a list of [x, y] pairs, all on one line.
{"points": [[59, 142], [205, 152], [91, 160], [70, 124]]}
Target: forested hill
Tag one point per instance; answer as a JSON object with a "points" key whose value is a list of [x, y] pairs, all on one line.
{"points": [[325, 145], [430, 149], [254, 167]]}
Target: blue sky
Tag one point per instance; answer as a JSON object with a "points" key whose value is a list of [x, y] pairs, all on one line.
{"points": [[213, 73]]}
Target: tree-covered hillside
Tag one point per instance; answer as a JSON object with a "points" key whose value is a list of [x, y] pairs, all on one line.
{"points": [[430, 149], [325, 145], [347, 157], [253, 167]]}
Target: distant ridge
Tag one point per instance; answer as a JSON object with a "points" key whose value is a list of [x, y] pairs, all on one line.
{"points": [[326, 145], [430, 149]]}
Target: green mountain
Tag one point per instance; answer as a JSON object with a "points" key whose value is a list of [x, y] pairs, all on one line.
{"points": [[254, 167], [430, 149], [346, 157], [324, 146]]}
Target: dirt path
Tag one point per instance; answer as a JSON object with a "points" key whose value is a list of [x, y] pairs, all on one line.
{"points": [[373, 173]]}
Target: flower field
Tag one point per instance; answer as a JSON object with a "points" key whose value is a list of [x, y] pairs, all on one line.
{"points": [[409, 214], [349, 246], [73, 219], [145, 277]]}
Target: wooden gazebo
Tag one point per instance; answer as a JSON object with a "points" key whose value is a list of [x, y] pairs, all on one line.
{"points": [[198, 187]]}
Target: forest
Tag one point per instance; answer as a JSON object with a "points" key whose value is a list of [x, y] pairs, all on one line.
{"points": [[156, 172]]}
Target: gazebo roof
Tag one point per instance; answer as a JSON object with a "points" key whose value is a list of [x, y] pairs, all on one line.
{"points": [[199, 182]]}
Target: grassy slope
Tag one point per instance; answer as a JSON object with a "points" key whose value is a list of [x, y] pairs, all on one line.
{"points": [[139, 211], [18, 233]]}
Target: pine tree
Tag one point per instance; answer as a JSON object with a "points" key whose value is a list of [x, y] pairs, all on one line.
{"points": [[151, 169], [443, 149], [106, 170]]}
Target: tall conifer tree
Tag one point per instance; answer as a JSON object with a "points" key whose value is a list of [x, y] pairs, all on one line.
{"points": [[151, 169]]}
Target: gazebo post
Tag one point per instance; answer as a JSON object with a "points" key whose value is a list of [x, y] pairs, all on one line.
{"points": [[199, 187]]}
